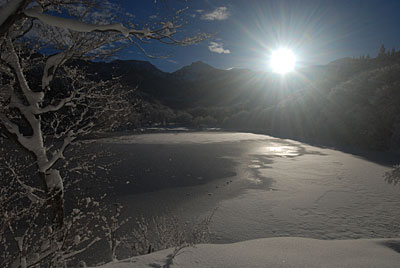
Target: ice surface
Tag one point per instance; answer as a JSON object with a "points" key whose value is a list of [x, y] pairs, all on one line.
{"points": [[280, 188], [183, 138]]}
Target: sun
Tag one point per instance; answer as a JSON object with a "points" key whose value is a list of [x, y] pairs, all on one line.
{"points": [[282, 60]]}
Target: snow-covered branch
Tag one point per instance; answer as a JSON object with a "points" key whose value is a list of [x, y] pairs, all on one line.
{"points": [[12, 58], [14, 129], [51, 66], [81, 26], [47, 103], [76, 25]]}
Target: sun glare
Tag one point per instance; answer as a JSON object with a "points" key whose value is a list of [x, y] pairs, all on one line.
{"points": [[282, 60]]}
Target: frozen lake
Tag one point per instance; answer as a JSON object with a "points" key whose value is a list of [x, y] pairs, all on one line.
{"points": [[260, 186]]}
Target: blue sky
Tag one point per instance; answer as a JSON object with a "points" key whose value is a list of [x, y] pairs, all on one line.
{"points": [[318, 31]]}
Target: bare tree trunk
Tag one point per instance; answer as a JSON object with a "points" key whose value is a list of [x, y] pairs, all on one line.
{"points": [[56, 200]]}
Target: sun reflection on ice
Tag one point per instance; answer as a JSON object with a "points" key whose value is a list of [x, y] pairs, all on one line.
{"points": [[255, 181], [279, 150]]}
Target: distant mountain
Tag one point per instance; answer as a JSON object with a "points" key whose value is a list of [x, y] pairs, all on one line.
{"points": [[126, 69], [138, 65], [200, 84], [195, 71], [341, 61], [331, 104]]}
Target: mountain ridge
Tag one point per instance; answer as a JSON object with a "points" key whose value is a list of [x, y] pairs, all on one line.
{"points": [[329, 104]]}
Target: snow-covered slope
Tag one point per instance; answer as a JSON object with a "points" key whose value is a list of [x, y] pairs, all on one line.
{"points": [[278, 252]]}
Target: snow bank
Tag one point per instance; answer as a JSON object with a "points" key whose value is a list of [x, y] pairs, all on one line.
{"points": [[279, 252]]}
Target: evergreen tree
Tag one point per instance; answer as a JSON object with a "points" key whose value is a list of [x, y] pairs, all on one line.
{"points": [[382, 52]]}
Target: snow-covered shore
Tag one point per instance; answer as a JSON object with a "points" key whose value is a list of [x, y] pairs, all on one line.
{"points": [[281, 252], [279, 188], [262, 186]]}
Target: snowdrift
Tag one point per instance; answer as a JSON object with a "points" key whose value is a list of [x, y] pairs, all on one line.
{"points": [[281, 252]]}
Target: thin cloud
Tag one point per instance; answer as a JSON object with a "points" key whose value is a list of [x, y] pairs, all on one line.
{"points": [[220, 13], [198, 12], [218, 48]]}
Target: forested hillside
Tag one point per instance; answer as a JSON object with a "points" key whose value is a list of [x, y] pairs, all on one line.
{"points": [[346, 102]]}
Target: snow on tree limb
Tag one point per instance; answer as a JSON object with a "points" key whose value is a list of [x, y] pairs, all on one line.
{"points": [[30, 191], [47, 104], [13, 60], [72, 254], [14, 129], [164, 33], [58, 154], [51, 64], [54, 180], [81, 26]]}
